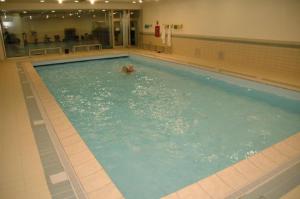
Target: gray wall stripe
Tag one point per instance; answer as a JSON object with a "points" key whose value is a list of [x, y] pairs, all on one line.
{"points": [[285, 44]]}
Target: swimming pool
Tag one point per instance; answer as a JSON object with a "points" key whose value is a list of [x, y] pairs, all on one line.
{"points": [[166, 126]]}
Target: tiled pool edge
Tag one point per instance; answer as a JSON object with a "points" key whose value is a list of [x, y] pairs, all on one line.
{"points": [[49, 157], [94, 180], [220, 185], [240, 178], [216, 69], [236, 180]]}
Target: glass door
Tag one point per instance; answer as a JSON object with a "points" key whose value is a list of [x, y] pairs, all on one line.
{"points": [[117, 28], [133, 28], [118, 34], [101, 30], [133, 33]]}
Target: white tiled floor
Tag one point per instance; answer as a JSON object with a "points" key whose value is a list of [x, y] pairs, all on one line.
{"points": [[21, 173]]}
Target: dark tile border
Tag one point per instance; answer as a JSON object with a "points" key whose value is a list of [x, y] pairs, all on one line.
{"points": [[49, 157]]}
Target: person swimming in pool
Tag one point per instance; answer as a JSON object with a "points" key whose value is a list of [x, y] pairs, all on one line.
{"points": [[128, 69]]}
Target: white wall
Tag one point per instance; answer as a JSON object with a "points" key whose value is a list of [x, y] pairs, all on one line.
{"points": [[252, 19]]}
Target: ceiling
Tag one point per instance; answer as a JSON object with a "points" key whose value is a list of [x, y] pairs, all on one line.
{"points": [[20, 5], [72, 1]]}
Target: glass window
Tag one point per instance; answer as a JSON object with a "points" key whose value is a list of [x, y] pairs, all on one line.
{"points": [[52, 31], [134, 14], [118, 33], [32, 31], [117, 14], [134, 24]]}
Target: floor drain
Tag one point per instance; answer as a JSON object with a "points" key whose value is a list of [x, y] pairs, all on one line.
{"points": [[38, 122], [59, 177], [30, 97]]}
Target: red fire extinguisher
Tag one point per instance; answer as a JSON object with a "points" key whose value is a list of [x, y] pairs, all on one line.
{"points": [[157, 30]]}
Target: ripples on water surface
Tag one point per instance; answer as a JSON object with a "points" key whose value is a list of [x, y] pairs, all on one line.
{"points": [[160, 129]]}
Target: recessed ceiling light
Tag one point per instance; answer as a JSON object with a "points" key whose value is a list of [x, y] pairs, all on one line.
{"points": [[140, 1], [2, 0], [133, 1], [106, 1], [60, 1], [76, 1], [42, 1], [92, 1]]}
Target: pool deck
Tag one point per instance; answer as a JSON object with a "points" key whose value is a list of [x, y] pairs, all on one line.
{"points": [[21, 172], [21, 168]]}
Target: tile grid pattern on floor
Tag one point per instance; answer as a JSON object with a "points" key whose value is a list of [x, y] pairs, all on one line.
{"points": [[93, 178], [21, 171], [61, 187], [226, 183]]}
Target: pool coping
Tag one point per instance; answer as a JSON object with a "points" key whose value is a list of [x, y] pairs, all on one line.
{"points": [[89, 172], [234, 180], [49, 156]]}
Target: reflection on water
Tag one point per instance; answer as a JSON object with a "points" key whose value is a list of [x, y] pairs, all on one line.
{"points": [[155, 132]]}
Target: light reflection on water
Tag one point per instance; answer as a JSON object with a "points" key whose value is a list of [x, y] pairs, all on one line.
{"points": [[155, 132]]}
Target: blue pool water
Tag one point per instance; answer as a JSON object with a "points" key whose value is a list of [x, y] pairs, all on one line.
{"points": [[166, 126]]}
